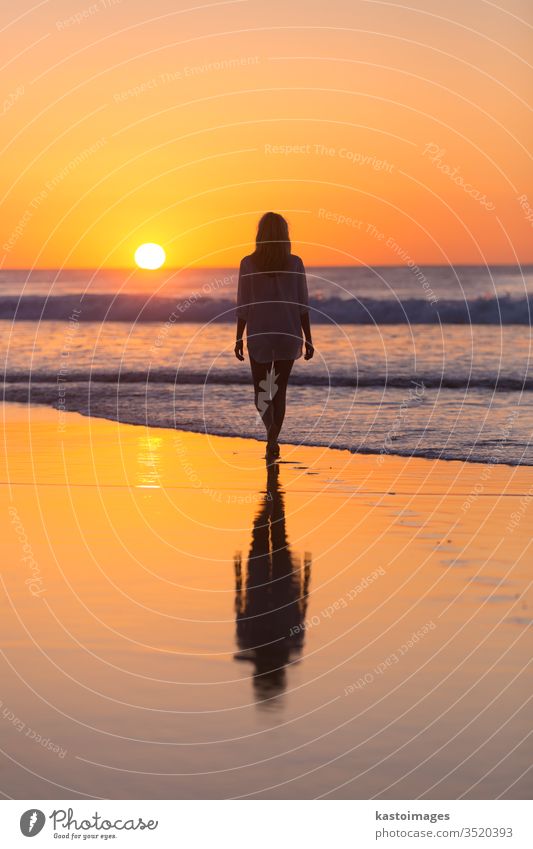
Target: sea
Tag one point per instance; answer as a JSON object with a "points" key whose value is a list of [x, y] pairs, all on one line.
{"points": [[425, 361]]}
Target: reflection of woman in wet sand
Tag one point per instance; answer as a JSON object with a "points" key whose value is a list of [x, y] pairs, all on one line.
{"points": [[271, 599]]}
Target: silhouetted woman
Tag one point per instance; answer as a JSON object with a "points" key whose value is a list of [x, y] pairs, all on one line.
{"points": [[272, 303]]}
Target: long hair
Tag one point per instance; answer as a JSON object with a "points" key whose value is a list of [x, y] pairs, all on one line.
{"points": [[272, 244]]}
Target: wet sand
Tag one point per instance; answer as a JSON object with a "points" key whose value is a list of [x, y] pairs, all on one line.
{"points": [[184, 625]]}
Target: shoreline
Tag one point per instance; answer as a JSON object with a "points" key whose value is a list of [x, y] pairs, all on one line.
{"points": [[293, 445], [59, 424]]}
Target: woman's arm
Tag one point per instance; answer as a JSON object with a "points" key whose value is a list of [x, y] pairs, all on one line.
{"points": [[243, 298], [306, 327], [239, 346], [303, 298]]}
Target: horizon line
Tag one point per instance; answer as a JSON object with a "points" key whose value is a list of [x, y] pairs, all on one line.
{"points": [[150, 272]]}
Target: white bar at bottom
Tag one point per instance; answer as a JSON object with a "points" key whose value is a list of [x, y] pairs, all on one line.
{"points": [[268, 824]]}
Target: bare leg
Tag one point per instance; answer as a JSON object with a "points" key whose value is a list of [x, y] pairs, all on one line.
{"points": [[263, 401], [270, 388], [282, 369]]}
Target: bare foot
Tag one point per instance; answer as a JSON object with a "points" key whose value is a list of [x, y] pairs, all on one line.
{"points": [[272, 451]]}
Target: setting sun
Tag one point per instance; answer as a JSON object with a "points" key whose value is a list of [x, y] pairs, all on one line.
{"points": [[150, 256]]}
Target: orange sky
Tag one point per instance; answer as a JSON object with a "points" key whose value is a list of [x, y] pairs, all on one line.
{"points": [[370, 125]]}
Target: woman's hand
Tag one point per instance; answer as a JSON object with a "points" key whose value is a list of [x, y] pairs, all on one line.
{"points": [[306, 327], [239, 333]]}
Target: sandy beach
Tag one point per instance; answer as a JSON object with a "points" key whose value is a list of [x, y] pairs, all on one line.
{"points": [[127, 624]]}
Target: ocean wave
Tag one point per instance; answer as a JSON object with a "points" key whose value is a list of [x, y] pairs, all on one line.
{"points": [[162, 412], [145, 308], [496, 382], [455, 424]]}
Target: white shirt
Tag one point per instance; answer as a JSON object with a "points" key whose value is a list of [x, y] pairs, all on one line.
{"points": [[272, 306]]}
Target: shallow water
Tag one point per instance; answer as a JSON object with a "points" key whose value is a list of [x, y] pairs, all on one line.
{"points": [[453, 392]]}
